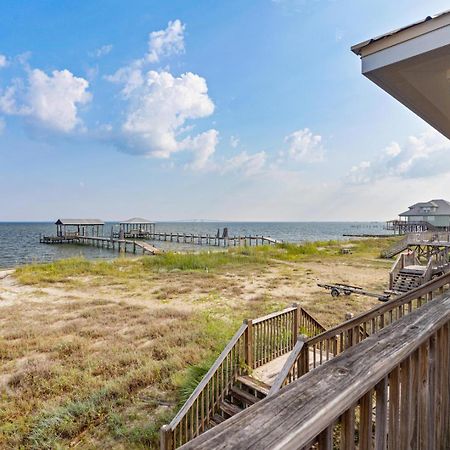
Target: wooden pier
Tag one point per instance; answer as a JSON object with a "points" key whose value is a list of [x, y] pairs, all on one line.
{"points": [[213, 240], [121, 245], [134, 231]]}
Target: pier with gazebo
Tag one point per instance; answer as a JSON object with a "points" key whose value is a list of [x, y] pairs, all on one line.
{"points": [[133, 232]]}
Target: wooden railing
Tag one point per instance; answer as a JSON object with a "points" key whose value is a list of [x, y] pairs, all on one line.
{"points": [[309, 326], [195, 415], [390, 391], [275, 335], [290, 370], [325, 346], [257, 342]]}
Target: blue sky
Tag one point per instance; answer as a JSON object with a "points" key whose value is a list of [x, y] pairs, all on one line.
{"points": [[232, 110]]}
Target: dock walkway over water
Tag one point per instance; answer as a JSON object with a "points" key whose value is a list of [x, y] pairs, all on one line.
{"points": [[121, 245]]}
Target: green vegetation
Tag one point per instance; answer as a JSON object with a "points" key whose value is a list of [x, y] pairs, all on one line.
{"points": [[66, 270], [99, 354]]}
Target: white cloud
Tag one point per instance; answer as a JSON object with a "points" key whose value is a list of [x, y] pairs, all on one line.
{"points": [[101, 51], [420, 156], [304, 146], [161, 106], [248, 164], [49, 101], [234, 141], [203, 146], [166, 42], [130, 76], [158, 109], [3, 61]]}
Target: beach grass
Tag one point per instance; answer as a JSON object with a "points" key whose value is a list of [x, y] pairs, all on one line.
{"points": [[68, 269], [100, 354]]}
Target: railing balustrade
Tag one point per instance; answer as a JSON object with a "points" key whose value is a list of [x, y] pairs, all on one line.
{"points": [[257, 342], [390, 391], [327, 345]]}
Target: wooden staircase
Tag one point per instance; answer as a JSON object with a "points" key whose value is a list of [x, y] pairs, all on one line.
{"points": [[407, 280], [245, 392], [229, 387]]}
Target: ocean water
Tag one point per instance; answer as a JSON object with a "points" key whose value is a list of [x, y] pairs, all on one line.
{"points": [[19, 242]]}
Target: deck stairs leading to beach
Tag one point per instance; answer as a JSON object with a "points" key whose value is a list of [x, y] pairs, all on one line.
{"points": [[408, 278], [245, 392], [396, 248], [242, 375]]}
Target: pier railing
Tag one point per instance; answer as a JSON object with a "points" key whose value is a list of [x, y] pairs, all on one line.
{"points": [[258, 341], [317, 350], [390, 391]]}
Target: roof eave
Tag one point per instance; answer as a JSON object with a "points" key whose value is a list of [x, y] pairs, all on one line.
{"points": [[403, 34]]}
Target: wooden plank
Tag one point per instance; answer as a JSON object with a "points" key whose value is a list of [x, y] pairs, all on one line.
{"points": [[348, 429], [287, 367], [394, 413], [365, 422], [299, 412], [381, 415]]}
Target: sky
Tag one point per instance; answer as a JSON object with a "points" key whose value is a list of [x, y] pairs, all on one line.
{"points": [[232, 110]]}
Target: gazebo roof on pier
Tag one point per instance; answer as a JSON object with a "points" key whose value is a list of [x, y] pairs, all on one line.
{"points": [[136, 220], [79, 222]]}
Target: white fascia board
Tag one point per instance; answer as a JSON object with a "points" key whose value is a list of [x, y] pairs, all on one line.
{"points": [[405, 50]]}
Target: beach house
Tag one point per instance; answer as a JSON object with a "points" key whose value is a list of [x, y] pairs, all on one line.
{"points": [[433, 215]]}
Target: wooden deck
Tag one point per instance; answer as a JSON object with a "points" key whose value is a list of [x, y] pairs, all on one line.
{"points": [[402, 401], [263, 351]]}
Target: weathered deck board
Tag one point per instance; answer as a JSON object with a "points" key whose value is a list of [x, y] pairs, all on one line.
{"points": [[302, 410]]}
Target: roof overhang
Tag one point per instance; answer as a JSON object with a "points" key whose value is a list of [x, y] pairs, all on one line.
{"points": [[413, 65], [79, 222]]}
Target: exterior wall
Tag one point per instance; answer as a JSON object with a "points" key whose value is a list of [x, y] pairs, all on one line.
{"points": [[439, 221]]}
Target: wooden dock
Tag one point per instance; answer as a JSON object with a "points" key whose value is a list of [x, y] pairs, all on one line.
{"points": [[121, 245], [213, 240]]}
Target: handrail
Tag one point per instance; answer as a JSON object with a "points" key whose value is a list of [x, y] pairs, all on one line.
{"points": [[426, 276], [327, 345], [273, 315], [190, 401], [287, 367], [306, 317], [402, 399], [421, 291], [257, 342]]}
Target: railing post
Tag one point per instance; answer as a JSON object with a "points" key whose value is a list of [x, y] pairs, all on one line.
{"points": [[296, 323], [166, 438], [248, 343], [303, 366]]}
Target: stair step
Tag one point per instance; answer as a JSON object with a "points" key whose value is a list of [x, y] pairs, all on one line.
{"points": [[243, 396], [229, 409], [217, 418], [254, 384]]}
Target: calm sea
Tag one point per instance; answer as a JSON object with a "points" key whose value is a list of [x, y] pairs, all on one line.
{"points": [[19, 242]]}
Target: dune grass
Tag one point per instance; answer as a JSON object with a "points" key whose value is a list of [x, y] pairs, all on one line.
{"points": [[119, 268]]}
